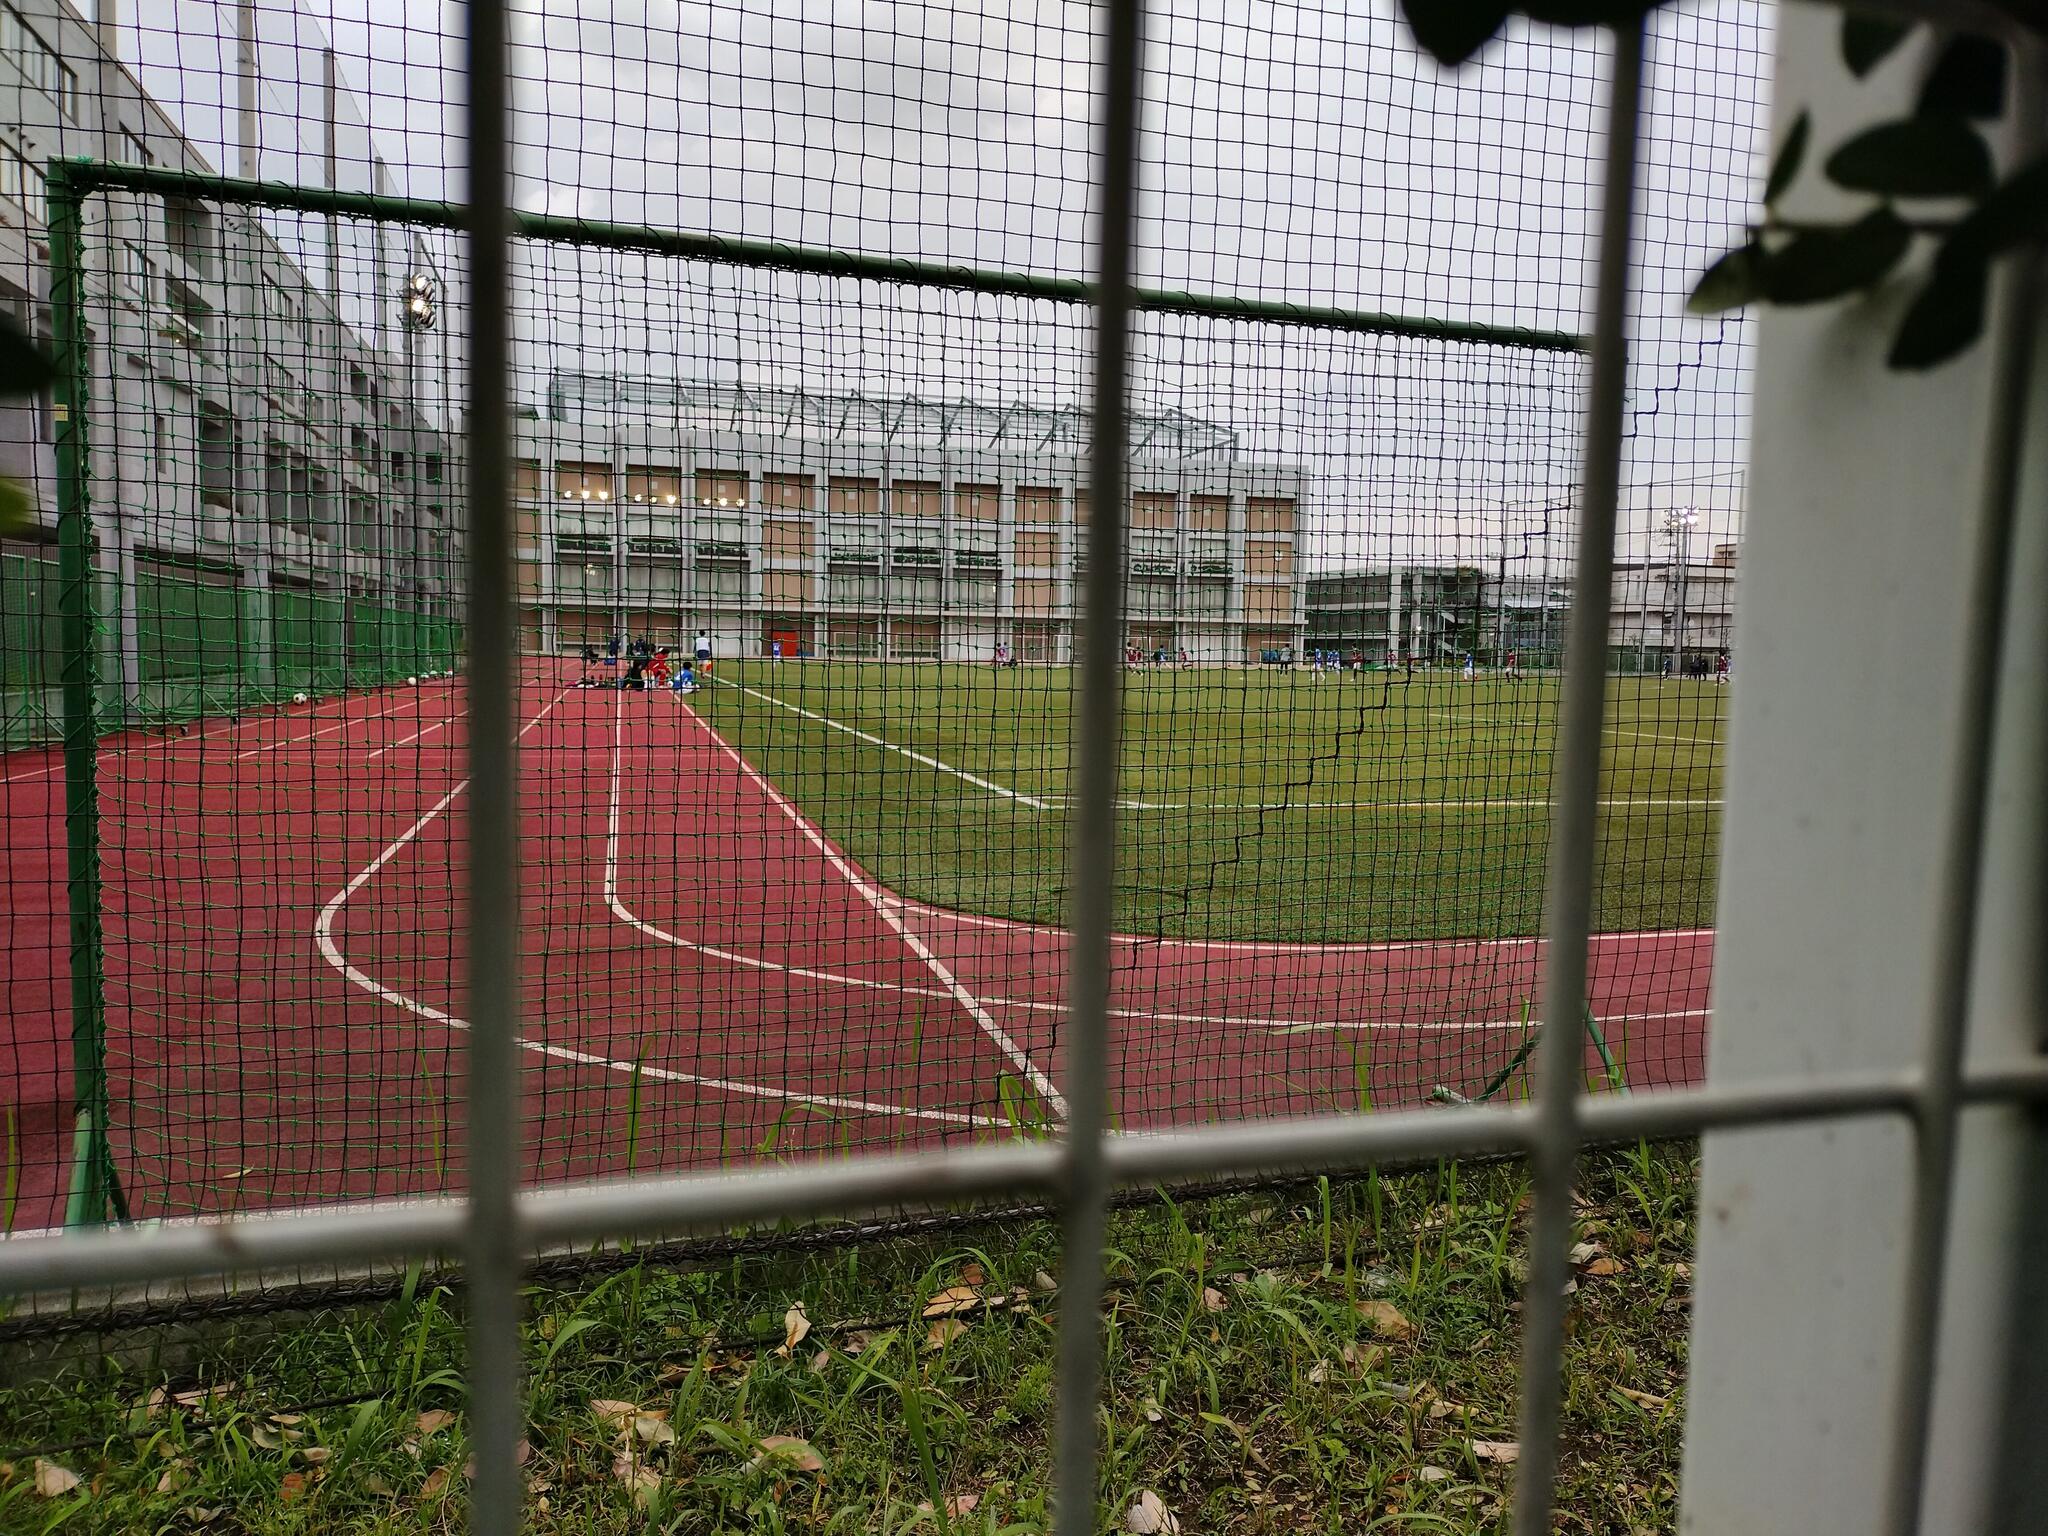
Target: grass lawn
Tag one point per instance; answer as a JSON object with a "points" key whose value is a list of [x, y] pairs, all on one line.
{"points": [[1333, 1360], [1257, 805]]}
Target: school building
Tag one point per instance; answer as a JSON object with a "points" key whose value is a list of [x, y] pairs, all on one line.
{"points": [[843, 525]]}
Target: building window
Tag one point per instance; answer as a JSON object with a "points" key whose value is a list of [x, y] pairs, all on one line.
{"points": [[721, 488], [1036, 547], [1208, 556], [974, 591], [722, 584], [1152, 554], [854, 496], [854, 589], [978, 503], [915, 594], [133, 150], [21, 182], [216, 456], [583, 480], [430, 468], [787, 540], [786, 493], [1207, 600], [914, 639], [1268, 557], [914, 498], [1209, 514], [855, 545], [1038, 504], [38, 61], [656, 485], [1269, 514], [526, 481], [1153, 509]]}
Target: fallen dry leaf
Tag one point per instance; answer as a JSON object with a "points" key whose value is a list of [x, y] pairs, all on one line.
{"points": [[1149, 1516], [943, 1332], [653, 1430], [954, 1298], [173, 1477], [1319, 1373], [1362, 1357], [287, 1418], [1603, 1266], [1583, 1253], [957, 1504], [1213, 1299], [436, 1481], [794, 1326], [1431, 1474], [1501, 1452], [614, 1414], [434, 1419], [291, 1486], [642, 1479], [820, 1361], [197, 1397], [1643, 1399], [267, 1437], [522, 1453], [856, 1341], [208, 1516], [1385, 1319], [1041, 1281], [791, 1450], [973, 1274], [1149, 1406], [315, 1455]]}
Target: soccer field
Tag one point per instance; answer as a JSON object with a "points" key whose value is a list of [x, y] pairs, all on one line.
{"points": [[1257, 805]]}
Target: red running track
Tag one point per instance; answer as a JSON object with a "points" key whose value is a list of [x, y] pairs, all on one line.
{"points": [[708, 978]]}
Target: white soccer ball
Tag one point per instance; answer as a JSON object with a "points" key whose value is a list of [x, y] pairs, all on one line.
{"points": [[414, 681], [298, 698]]}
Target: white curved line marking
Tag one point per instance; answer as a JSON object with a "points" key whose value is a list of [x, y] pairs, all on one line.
{"points": [[323, 936], [889, 746], [873, 895]]}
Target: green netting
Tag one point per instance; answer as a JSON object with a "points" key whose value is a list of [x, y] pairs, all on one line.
{"points": [[31, 650], [309, 634], [188, 645]]}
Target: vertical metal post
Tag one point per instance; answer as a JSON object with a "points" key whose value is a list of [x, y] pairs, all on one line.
{"points": [[2016, 320], [495, 1251], [94, 1191], [1098, 725], [1575, 812]]}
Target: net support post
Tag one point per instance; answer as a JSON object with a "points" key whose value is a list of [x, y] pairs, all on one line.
{"points": [[1098, 726], [1575, 811], [94, 1191]]}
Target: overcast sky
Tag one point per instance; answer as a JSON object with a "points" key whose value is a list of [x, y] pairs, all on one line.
{"points": [[1310, 156]]}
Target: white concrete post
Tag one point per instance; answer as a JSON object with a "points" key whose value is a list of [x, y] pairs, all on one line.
{"points": [[1866, 491]]}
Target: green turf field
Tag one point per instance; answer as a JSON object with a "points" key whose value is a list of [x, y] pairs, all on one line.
{"points": [[1257, 805]]}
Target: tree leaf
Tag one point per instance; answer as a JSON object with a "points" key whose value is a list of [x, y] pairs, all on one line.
{"points": [[614, 1414], [1824, 264], [1730, 283], [954, 1298], [943, 1332], [1149, 1516], [1502, 1453], [1867, 41], [1451, 31], [1386, 1319], [2014, 213], [1791, 155], [1946, 318], [794, 1326], [53, 1481], [1967, 80], [1914, 157], [791, 1450], [434, 1419]]}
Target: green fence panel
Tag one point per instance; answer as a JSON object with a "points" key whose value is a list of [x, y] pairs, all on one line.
{"points": [[31, 651]]}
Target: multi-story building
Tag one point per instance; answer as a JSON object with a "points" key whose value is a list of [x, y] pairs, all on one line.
{"points": [[254, 454], [1425, 614], [848, 526], [1674, 610]]}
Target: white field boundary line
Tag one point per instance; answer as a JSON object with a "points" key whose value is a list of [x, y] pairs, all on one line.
{"points": [[874, 895], [927, 760], [323, 936], [1224, 807], [406, 741], [339, 725], [1041, 1005]]}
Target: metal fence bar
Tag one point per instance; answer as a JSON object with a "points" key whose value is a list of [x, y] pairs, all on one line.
{"points": [[496, 1250], [1098, 732], [854, 1187], [1575, 814], [814, 260], [2016, 320]]}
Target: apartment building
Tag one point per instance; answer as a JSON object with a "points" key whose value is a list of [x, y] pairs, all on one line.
{"points": [[840, 525], [246, 438]]}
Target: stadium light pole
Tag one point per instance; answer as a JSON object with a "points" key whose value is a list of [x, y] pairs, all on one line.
{"points": [[1678, 524]]}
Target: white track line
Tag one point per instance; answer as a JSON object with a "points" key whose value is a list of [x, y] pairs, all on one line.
{"points": [[872, 894], [438, 725], [889, 746], [339, 725], [323, 936], [1224, 807]]}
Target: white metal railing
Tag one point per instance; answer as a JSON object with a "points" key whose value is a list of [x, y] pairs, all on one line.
{"points": [[499, 1224]]}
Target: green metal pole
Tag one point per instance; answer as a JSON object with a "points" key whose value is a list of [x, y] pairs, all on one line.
{"points": [[95, 1192]]}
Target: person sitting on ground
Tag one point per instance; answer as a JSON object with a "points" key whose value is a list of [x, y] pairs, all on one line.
{"points": [[685, 679]]}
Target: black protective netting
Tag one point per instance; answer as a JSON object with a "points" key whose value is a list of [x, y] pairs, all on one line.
{"points": [[798, 560]]}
